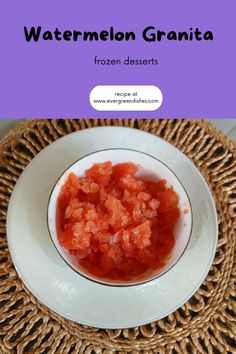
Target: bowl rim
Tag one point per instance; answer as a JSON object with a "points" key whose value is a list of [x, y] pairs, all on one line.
{"points": [[106, 283]]}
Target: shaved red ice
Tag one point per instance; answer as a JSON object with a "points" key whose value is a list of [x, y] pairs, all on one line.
{"points": [[117, 225]]}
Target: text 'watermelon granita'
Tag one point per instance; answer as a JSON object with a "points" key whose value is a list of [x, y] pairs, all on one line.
{"points": [[119, 226]]}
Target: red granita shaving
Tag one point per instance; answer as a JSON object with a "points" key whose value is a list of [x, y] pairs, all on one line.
{"points": [[117, 225]]}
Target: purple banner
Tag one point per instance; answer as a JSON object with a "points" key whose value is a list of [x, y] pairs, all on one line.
{"points": [[53, 76]]}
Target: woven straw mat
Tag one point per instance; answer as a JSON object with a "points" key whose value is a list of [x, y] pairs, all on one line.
{"points": [[205, 324]]}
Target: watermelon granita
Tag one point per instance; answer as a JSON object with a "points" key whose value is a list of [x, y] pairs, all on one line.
{"points": [[117, 225]]}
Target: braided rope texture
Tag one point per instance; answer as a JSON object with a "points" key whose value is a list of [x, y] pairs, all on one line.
{"points": [[205, 324]]}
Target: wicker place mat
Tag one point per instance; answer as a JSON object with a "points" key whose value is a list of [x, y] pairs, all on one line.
{"points": [[205, 324]]}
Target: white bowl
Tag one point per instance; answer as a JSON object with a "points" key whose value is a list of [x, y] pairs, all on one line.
{"points": [[149, 167]]}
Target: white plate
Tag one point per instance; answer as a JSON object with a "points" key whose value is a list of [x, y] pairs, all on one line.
{"points": [[64, 291]]}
